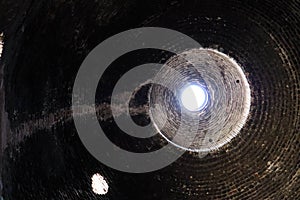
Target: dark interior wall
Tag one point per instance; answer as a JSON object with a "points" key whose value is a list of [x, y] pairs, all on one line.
{"points": [[45, 43]]}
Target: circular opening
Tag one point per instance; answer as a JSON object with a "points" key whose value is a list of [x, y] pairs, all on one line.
{"points": [[194, 97], [212, 109]]}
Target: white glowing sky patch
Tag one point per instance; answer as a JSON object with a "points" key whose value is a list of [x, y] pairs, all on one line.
{"points": [[99, 185], [194, 97]]}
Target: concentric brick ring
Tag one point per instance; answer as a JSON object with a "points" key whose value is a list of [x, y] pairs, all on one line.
{"points": [[228, 104]]}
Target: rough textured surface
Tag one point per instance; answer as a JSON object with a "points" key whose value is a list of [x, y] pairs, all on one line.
{"points": [[45, 42]]}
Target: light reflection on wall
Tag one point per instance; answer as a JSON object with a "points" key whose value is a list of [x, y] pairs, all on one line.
{"points": [[99, 185], [1, 43]]}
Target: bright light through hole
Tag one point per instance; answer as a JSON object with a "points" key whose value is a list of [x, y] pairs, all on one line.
{"points": [[99, 185], [194, 97]]}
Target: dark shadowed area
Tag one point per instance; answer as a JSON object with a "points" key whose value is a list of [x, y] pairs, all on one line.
{"points": [[46, 41]]}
